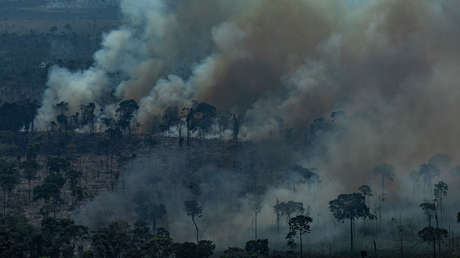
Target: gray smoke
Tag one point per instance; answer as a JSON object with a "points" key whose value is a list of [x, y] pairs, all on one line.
{"points": [[391, 65]]}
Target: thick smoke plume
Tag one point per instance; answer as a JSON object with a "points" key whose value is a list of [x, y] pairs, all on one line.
{"points": [[390, 65]]}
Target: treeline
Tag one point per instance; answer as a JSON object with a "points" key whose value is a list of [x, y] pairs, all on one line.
{"points": [[198, 120], [18, 116], [55, 238]]}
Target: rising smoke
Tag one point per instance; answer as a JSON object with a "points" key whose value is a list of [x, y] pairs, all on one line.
{"points": [[391, 65]]}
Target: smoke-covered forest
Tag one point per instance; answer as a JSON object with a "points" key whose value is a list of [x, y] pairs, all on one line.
{"points": [[230, 129]]}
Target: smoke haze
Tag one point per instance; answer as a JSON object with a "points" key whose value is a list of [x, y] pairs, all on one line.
{"points": [[391, 66]]}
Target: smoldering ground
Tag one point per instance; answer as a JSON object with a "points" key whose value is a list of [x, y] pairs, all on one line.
{"points": [[391, 66]]}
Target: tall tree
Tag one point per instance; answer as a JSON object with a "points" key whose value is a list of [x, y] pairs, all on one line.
{"points": [[440, 192], [194, 210], [170, 117], [431, 234], [289, 208], [236, 128], [126, 111], [428, 172], [429, 209], [299, 224], [350, 207], [385, 172]]}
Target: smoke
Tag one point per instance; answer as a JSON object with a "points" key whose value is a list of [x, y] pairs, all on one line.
{"points": [[391, 66]]}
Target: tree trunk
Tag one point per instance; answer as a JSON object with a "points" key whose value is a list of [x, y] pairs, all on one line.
{"points": [[255, 225], [438, 238], [196, 228], [301, 251], [30, 189], [180, 135], [382, 200], [402, 246], [351, 236], [4, 203], [277, 218], [375, 249]]}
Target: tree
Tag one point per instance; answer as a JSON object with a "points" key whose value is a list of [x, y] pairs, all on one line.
{"points": [[223, 121], [255, 203], [366, 191], [125, 111], [428, 172], [299, 224], [170, 117], [350, 207], [304, 176], [236, 128], [50, 191], [235, 252], [429, 209], [17, 237], [9, 179], [289, 208], [59, 237], [62, 108], [151, 211], [57, 164], [112, 241], [194, 210], [200, 117], [87, 115], [256, 248], [159, 246], [30, 170], [440, 192], [74, 178], [432, 234], [140, 234], [203, 249], [386, 172]]}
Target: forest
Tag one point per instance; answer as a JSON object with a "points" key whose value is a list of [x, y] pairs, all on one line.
{"points": [[230, 129]]}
